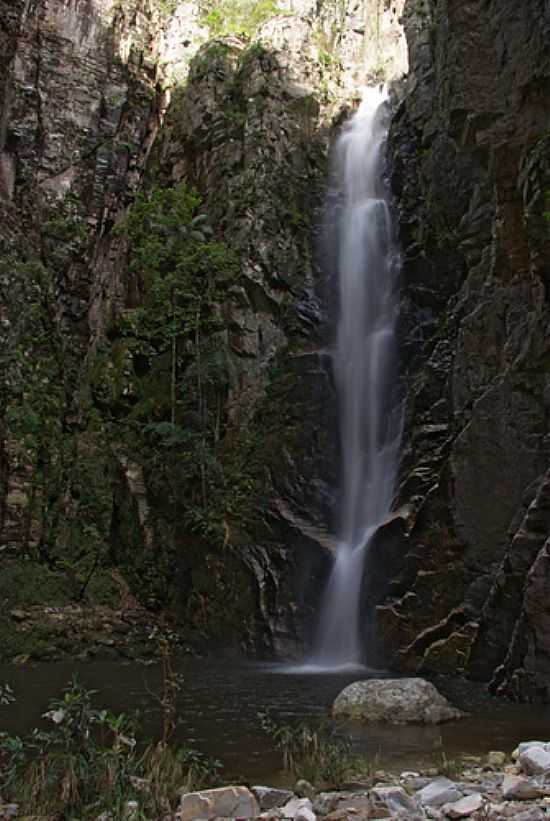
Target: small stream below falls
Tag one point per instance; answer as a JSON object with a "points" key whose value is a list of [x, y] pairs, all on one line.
{"points": [[219, 702]]}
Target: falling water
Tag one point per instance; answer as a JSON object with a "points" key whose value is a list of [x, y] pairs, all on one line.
{"points": [[365, 367]]}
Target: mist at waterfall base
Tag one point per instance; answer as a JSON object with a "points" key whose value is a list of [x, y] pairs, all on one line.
{"points": [[365, 368]]}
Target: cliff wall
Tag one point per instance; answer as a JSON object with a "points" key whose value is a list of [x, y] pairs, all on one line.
{"points": [[470, 145], [165, 432]]}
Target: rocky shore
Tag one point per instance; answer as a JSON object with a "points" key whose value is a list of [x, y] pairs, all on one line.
{"points": [[497, 788], [493, 788]]}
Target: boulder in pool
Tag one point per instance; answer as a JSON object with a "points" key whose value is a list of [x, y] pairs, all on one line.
{"points": [[395, 701]]}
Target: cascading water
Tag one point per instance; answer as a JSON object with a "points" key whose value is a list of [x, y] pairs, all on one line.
{"points": [[365, 367]]}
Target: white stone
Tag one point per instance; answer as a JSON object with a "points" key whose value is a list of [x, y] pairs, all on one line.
{"points": [[229, 802], [464, 807], [525, 746], [518, 788], [299, 809], [396, 701], [438, 792], [305, 815], [534, 760]]}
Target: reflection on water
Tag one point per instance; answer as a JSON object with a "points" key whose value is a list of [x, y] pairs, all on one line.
{"points": [[219, 702]]}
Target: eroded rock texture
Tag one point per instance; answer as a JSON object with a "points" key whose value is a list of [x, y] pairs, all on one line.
{"points": [[472, 174]]}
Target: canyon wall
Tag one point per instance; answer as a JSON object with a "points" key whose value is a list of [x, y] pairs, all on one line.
{"points": [[169, 449], [470, 147]]}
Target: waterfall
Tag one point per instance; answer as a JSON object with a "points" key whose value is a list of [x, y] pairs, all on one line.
{"points": [[365, 368]]}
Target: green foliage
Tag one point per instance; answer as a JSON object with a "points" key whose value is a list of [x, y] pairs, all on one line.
{"points": [[449, 767], [240, 17], [90, 761], [36, 643], [313, 753], [66, 505], [164, 7], [169, 370], [25, 582]]}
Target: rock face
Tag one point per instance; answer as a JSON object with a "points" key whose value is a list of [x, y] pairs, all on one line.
{"points": [[471, 175], [100, 100], [227, 524], [395, 701]]}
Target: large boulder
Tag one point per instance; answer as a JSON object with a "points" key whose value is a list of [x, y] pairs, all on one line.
{"points": [[225, 802], [396, 701]]}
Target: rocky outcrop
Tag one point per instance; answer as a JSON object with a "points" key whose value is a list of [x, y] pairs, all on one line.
{"points": [[471, 174], [103, 100]]}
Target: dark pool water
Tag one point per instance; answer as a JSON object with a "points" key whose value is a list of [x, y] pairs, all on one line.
{"points": [[219, 702]]}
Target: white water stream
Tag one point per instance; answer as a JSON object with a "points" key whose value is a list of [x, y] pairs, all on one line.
{"points": [[365, 366]]}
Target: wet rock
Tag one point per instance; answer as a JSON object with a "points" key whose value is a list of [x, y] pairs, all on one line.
{"points": [[270, 797], [534, 760], [516, 787], [224, 802], [464, 807], [439, 792], [396, 701]]}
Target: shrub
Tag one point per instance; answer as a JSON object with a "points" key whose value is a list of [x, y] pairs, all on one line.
{"points": [[90, 761], [240, 17]]}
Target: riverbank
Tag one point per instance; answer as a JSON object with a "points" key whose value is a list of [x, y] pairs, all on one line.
{"points": [[496, 788], [50, 616]]}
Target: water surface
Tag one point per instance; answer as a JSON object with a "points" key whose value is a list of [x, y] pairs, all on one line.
{"points": [[219, 702]]}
